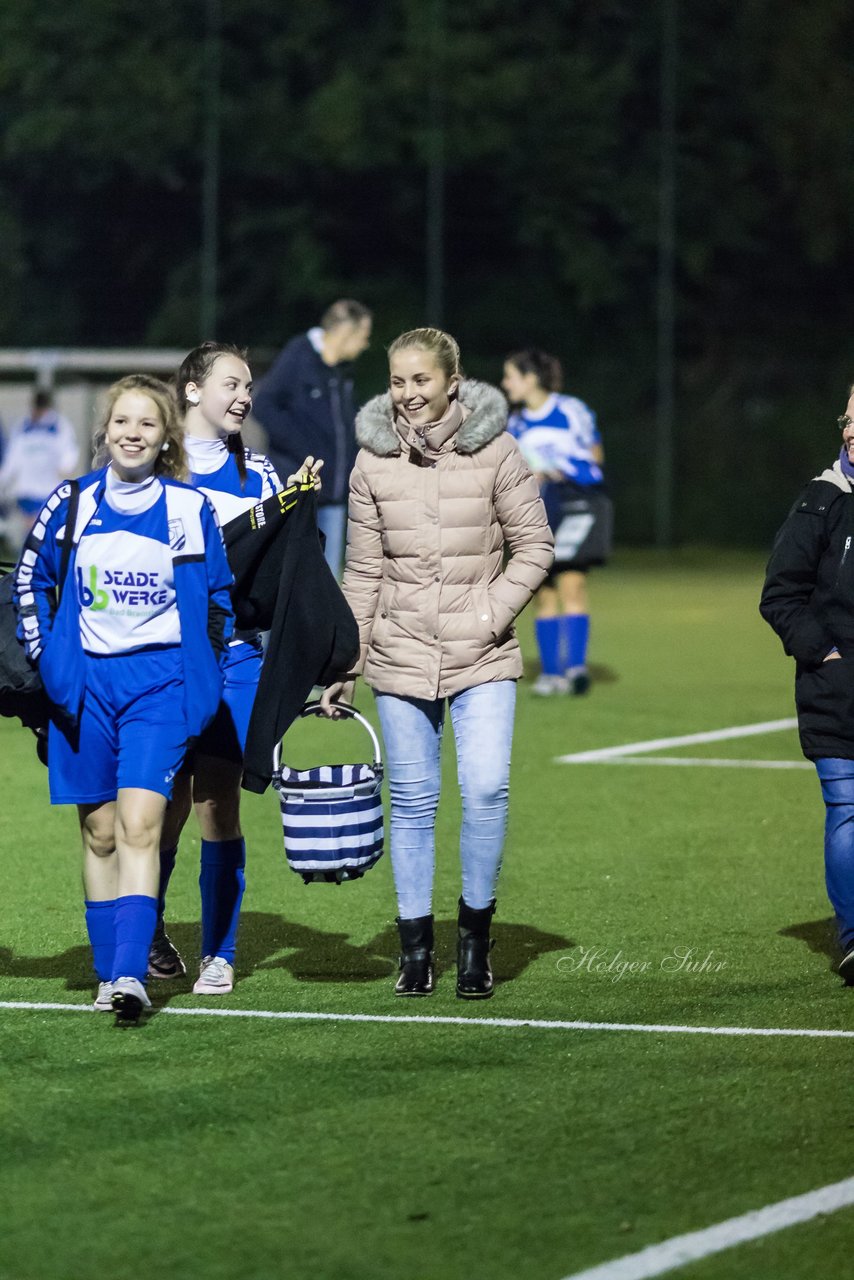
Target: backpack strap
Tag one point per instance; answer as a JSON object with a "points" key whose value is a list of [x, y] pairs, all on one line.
{"points": [[68, 541]]}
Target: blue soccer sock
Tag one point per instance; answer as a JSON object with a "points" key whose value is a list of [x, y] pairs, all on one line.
{"points": [[136, 916], [575, 633], [548, 643], [167, 866], [222, 883], [100, 925]]}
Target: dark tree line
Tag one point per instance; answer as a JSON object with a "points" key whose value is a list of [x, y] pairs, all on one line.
{"points": [[551, 148]]}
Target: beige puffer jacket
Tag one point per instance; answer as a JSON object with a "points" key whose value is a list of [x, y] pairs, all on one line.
{"points": [[425, 573]]}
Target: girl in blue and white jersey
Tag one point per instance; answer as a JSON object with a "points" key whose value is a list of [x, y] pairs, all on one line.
{"points": [[214, 386], [560, 441], [129, 658]]}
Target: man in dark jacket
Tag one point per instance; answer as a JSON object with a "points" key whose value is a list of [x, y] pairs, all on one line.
{"points": [[306, 406]]}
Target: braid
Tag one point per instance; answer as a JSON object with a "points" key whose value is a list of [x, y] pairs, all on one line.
{"points": [[234, 444]]}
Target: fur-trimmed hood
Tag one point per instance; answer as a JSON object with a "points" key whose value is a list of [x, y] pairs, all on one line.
{"points": [[487, 418], [835, 475]]}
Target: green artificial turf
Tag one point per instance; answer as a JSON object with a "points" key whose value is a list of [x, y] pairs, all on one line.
{"points": [[239, 1149]]}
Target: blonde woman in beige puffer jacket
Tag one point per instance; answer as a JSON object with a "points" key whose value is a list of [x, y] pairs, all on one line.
{"points": [[447, 542]]}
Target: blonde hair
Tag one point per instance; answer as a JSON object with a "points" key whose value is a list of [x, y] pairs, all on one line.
{"points": [[172, 462], [439, 344]]}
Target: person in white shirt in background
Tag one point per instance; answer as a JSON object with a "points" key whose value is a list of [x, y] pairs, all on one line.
{"points": [[42, 449]]}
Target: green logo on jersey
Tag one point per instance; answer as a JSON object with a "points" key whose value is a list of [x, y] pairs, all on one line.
{"points": [[91, 597]]}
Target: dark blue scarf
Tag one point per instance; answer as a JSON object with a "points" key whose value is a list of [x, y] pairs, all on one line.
{"points": [[847, 467]]}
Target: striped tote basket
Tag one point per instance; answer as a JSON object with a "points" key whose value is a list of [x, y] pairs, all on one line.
{"points": [[332, 815]]}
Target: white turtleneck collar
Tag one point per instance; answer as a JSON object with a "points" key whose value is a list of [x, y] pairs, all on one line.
{"points": [[131, 497], [205, 456]]}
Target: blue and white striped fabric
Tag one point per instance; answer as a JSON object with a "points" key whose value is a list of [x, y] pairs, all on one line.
{"points": [[332, 819]]}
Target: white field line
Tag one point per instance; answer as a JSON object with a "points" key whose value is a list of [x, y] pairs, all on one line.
{"points": [[656, 1259], [700, 760], [686, 740], [659, 1258], [539, 1024]]}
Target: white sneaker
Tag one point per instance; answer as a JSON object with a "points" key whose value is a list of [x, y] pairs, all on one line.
{"points": [[129, 998], [216, 977], [546, 686], [104, 998]]}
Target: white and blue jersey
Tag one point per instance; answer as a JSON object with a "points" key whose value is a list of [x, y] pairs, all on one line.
{"points": [[124, 573], [214, 470], [41, 451], [560, 437]]}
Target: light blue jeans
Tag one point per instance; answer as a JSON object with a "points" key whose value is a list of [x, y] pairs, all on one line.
{"points": [[837, 787], [482, 719], [332, 521]]}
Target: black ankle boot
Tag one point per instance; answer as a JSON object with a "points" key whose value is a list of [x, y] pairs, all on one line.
{"points": [[416, 957], [474, 974]]}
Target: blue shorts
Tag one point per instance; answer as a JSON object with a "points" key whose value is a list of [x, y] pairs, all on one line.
{"points": [[132, 730], [225, 736]]}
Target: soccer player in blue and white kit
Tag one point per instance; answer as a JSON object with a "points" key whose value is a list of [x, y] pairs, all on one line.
{"points": [[214, 386], [129, 658], [560, 441]]}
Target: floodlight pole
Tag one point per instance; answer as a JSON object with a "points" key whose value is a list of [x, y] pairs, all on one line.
{"points": [[210, 179], [666, 299], [435, 212]]}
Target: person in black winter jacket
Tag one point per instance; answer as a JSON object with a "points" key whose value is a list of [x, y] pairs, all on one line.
{"points": [[808, 598], [306, 405]]}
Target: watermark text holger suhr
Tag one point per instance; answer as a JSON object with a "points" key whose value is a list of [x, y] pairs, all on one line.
{"points": [[617, 965]]}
